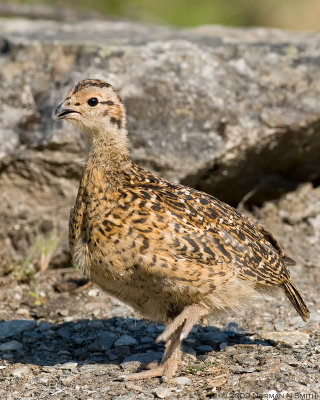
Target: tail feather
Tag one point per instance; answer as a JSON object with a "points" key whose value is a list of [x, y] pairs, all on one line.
{"points": [[296, 299]]}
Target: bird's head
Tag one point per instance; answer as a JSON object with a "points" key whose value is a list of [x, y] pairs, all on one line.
{"points": [[94, 107]]}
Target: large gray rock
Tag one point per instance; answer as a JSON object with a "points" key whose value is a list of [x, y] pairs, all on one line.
{"points": [[228, 111], [296, 220]]}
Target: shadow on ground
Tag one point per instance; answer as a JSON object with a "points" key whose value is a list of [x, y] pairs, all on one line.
{"points": [[115, 340]]}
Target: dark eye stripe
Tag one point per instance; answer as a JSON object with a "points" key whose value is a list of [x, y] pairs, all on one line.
{"points": [[109, 102]]}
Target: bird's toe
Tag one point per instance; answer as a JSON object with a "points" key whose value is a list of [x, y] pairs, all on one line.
{"points": [[146, 374]]}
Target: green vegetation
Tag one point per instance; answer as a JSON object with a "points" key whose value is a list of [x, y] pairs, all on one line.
{"points": [[46, 245], [39, 300], [23, 271], [37, 262], [38, 257], [289, 14], [193, 369]]}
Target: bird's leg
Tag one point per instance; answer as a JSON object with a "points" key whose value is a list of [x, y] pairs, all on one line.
{"points": [[169, 363], [186, 319], [174, 333]]}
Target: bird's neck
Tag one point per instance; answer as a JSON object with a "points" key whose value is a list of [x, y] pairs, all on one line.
{"points": [[109, 150]]}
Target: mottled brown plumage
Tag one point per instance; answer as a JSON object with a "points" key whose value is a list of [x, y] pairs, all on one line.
{"points": [[173, 253]]}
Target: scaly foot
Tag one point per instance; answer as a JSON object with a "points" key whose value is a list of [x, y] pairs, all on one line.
{"points": [[169, 363], [166, 371]]}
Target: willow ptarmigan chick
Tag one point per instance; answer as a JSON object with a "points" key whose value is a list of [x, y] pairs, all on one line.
{"points": [[173, 253]]}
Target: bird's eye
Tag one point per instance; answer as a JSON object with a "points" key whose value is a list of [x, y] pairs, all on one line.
{"points": [[93, 101]]}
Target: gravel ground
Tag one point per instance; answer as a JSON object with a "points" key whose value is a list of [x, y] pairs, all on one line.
{"points": [[61, 338], [77, 342]]}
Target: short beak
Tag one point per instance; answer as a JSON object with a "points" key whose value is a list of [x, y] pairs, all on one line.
{"points": [[62, 112]]}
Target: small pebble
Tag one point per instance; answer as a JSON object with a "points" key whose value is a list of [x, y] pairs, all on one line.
{"points": [[214, 336], [67, 380], [204, 348], [15, 327], [133, 386], [63, 313], [182, 380], [280, 326], [32, 336], [126, 396], [147, 357], [223, 345], [113, 356], [94, 292], [136, 325], [125, 340], [45, 326], [189, 356], [69, 366], [13, 345], [24, 312], [92, 368], [146, 339], [312, 371], [107, 340], [130, 366], [287, 337], [162, 392], [102, 342], [112, 368], [151, 328], [48, 369], [20, 370], [63, 352], [64, 333], [234, 328], [190, 341]]}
